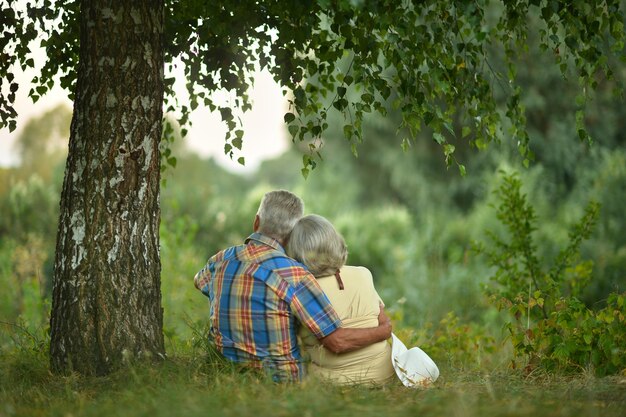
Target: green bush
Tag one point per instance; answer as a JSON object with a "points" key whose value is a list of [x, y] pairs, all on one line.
{"points": [[549, 326], [451, 343]]}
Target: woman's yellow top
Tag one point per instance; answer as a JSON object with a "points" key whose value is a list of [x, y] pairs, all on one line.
{"points": [[358, 307]]}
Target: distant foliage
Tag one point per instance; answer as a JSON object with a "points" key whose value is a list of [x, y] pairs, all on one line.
{"points": [[29, 206], [549, 326]]}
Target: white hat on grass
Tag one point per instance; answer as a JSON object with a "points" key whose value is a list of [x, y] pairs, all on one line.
{"points": [[413, 366]]}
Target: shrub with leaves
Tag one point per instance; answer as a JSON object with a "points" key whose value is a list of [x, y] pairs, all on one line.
{"points": [[451, 342], [549, 326]]}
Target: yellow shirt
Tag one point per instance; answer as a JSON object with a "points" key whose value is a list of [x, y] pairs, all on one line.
{"points": [[358, 307]]}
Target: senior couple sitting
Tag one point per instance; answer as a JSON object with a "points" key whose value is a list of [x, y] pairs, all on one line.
{"points": [[289, 281]]}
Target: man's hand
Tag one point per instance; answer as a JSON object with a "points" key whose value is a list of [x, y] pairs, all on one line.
{"points": [[383, 320]]}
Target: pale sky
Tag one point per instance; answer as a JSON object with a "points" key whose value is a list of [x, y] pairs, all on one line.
{"points": [[265, 133]]}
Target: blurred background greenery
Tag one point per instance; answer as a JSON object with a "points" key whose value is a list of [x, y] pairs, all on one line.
{"points": [[403, 214]]}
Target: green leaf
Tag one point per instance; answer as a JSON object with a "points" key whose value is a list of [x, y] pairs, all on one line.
{"points": [[580, 117], [406, 144], [237, 143], [293, 130], [226, 113], [340, 104], [341, 91], [354, 151], [289, 117], [449, 128], [580, 99], [367, 98], [348, 131], [428, 117], [306, 160], [571, 42], [438, 137], [300, 97], [385, 91], [171, 162], [241, 160]]}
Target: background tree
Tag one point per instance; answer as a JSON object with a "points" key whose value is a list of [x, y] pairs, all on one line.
{"points": [[29, 207], [342, 55]]}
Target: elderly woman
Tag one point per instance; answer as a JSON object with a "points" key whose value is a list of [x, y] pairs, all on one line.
{"points": [[315, 243]]}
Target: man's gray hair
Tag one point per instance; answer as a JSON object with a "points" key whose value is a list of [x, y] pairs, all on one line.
{"points": [[315, 242], [278, 213]]}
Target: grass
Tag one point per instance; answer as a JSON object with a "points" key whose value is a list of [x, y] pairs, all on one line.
{"points": [[188, 385]]}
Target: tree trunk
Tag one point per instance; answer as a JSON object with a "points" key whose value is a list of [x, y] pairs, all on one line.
{"points": [[106, 304]]}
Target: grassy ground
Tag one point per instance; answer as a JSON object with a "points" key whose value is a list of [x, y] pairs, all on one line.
{"points": [[187, 386]]}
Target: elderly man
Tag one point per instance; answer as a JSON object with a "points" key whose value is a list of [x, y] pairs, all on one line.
{"points": [[259, 297]]}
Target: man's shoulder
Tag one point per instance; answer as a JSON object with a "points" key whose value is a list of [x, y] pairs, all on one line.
{"points": [[277, 263], [266, 257], [227, 254], [283, 265]]}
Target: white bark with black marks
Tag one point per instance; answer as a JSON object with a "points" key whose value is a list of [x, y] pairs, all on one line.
{"points": [[106, 292]]}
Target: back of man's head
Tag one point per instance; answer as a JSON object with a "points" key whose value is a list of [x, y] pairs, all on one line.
{"points": [[278, 213]]}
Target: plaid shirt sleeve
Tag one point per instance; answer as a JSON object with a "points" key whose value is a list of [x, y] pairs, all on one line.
{"points": [[313, 309], [202, 278]]}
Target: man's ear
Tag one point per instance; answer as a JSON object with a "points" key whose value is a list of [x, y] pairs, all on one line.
{"points": [[255, 225]]}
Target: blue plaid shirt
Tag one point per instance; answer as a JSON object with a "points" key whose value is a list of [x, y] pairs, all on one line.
{"points": [[258, 299]]}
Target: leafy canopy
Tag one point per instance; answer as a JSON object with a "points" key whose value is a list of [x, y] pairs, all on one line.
{"points": [[432, 60]]}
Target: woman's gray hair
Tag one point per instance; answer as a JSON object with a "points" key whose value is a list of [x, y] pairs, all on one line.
{"points": [[278, 213], [315, 242]]}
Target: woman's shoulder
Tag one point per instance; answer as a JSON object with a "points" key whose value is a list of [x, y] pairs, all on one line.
{"points": [[356, 268], [359, 272]]}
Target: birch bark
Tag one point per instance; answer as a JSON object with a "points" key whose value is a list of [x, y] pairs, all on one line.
{"points": [[106, 302]]}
